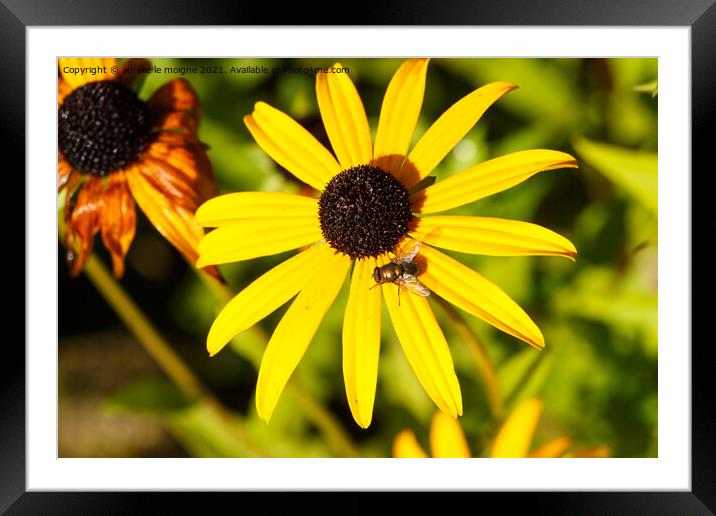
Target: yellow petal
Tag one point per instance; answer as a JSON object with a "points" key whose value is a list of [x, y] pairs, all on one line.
{"points": [[552, 449], [425, 347], [79, 71], [344, 118], [271, 224], [489, 178], [361, 342], [295, 331], [243, 206], [399, 114], [173, 221], [264, 295], [447, 440], [450, 128], [246, 240], [514, 437], [406, 446], [491, 236], [291, 146], [475, 294]]}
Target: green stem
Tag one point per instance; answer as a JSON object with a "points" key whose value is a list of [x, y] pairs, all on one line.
{"points": [[484, 365], [162, 353], [131, 315], [155, 344], [327, 425], [524, 381]]}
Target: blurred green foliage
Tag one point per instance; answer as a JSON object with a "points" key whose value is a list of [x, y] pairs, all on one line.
{"points": [[598, 373]]}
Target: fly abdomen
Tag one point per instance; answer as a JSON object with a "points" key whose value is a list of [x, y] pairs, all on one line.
{"points": [[409, 268], [388, 273]]}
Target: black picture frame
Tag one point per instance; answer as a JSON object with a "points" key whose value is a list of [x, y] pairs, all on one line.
{"points": [[699, 15]]}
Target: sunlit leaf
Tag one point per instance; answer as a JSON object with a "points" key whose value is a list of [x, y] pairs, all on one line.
{"points": [[206, 433], [634, 171], [201, 428], [624, 304], [153, 396], [545, 92], [651, 87]]}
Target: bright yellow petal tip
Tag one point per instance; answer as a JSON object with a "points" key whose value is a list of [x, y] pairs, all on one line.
{"points": [[515, 436], [491, 236], [406, 446], [447, 440]]}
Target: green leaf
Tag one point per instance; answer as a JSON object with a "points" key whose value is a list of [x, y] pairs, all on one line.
{"points": [[205, 432], [203, 429], [546, 93], [634, 171], [148, 396], [624, 303], [138, 83]]}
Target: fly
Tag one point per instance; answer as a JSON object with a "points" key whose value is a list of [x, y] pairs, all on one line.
{"points": [[402, 271]]}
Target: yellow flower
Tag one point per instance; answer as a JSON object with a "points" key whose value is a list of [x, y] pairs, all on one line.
{"points": [[367, 208], [513, 439]]}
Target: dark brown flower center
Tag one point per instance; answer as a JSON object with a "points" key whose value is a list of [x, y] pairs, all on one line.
{"points": [[103, 127], [364, 211]]}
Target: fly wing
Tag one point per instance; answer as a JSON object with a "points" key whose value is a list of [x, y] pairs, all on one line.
{"points": [[408, 256], [411, 283]]}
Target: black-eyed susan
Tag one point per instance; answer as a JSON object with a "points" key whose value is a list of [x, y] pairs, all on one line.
{"points": [[115, 149], [513, 439], [368, 206]]}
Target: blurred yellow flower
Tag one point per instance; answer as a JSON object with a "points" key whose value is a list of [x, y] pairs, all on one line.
{"points": [[513, 439], [447, 440], [370, 196]]}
